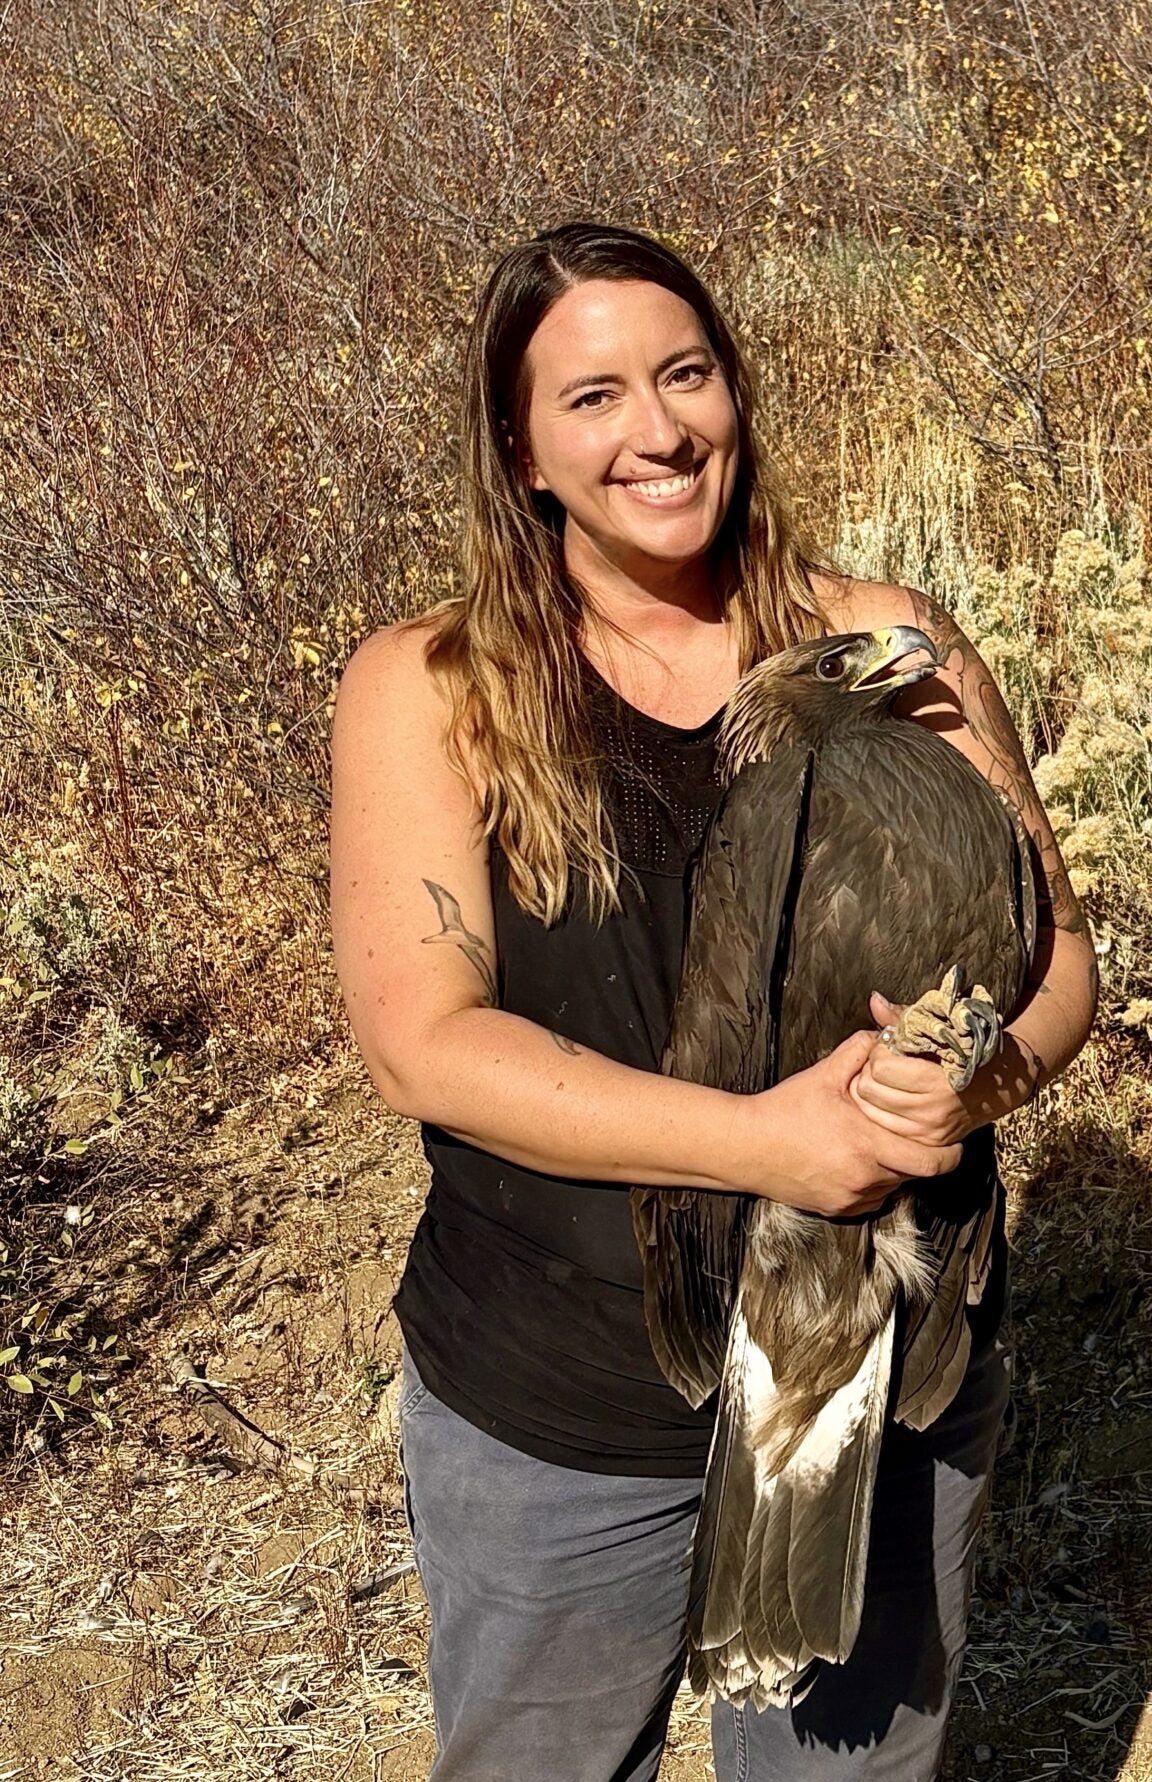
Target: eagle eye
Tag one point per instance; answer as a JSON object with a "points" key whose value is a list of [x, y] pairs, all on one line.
{"points": [[831, 668]]}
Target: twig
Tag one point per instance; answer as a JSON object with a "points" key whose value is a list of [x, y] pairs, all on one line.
{"points": [[250, 1444], [376, 1583]]}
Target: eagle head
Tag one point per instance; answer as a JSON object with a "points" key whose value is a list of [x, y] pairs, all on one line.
{"points": [[804, 694]]}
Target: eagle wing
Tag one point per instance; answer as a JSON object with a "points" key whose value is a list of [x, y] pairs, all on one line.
{"points": [[723, 1033], [937, 1342]]}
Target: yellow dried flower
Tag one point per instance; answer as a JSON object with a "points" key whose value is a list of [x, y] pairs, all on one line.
{"points": [[1118, 628], [1022, 583], [1083, 565], [1114, 742], [1049, 775], [1091, 839], [1138, 1014], [1002, 653]]}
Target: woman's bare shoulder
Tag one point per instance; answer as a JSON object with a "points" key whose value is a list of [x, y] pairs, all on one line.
{"points": [[390, 667], [400, 649], [852, 605], [391, 694]]}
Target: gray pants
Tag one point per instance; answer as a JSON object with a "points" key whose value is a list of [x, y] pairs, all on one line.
{"points": [[558, 1601]]}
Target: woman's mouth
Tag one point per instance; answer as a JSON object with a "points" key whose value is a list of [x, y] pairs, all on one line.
{"points": [[665, 491]]}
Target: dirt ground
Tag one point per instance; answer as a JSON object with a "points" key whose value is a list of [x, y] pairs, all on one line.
{"points": [[185, 1599]]}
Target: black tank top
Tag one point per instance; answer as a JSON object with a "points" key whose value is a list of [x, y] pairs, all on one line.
{"points": [[522, 1300]]}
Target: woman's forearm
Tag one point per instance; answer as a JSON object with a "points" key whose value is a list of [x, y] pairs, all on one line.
{"points": [[503, 1083], [515, 1089], [1042, 1040]]}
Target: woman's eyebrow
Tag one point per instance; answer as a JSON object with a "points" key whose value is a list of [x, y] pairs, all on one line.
{"points": [[613, 377]]}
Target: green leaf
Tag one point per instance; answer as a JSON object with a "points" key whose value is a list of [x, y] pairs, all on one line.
{"points": [[136, 1077], [7, 1355], [59, 1409], [20, 1382], [102, 1418], [75, 1383], [110, 1342], [76, 1147]]}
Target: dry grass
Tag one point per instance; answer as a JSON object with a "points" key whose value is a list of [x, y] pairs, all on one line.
{"points": [[239, 249], [169, 1611]]}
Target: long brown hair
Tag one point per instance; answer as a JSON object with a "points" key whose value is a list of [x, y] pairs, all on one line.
{"points": [[507, 650]]}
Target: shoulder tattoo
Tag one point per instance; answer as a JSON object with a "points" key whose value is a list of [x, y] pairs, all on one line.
{"points": [[988, 719]]}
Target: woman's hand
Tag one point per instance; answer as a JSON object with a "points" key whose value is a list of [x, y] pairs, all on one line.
{"points": [[911, 1097], [809, 1143]]}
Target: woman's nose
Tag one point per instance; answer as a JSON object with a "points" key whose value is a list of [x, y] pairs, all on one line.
{"points": [[657, 432]]}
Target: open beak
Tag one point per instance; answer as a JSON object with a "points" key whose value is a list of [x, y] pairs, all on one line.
{"points": [[891, 647]]}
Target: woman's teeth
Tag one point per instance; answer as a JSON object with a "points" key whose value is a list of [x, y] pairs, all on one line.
{"points": [[673, 485]]}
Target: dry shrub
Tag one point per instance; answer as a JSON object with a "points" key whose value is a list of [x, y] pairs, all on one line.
{"points": [[240, 247]]}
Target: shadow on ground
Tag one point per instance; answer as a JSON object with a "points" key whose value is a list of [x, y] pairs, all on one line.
{"points": [[1059, 1665]]}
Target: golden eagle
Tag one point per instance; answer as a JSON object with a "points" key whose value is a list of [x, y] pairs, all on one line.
{"points": [[850, 850]]}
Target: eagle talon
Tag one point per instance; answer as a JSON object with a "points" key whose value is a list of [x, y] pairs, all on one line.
{"points": [[977, 1020], [961, 1032]]}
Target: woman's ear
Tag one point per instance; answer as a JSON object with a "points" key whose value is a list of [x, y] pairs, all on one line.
{"points": [[524, 459]]}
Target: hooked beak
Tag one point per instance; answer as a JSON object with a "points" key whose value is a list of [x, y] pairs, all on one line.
{"points": [[890, 647]]}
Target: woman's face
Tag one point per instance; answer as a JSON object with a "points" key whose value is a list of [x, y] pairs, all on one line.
{"points": [[631, 424]]}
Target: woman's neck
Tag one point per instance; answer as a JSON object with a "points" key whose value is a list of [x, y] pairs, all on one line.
{"points": [[649, 601]]}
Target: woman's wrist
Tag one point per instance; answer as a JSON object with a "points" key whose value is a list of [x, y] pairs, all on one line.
{"points": [[740, 1159], [1008, 1082]]}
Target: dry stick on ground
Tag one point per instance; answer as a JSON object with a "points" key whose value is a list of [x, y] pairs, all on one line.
{"points": [[243, 1439]]}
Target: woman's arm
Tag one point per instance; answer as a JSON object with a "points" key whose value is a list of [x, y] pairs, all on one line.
{"points": [[962, 703], [414, 944]]}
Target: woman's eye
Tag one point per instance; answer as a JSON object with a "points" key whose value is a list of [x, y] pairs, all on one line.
{"points": [[591, 399], [691, 372]]}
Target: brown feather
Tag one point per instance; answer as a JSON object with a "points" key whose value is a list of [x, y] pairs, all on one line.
{"points": [[832, 867]]}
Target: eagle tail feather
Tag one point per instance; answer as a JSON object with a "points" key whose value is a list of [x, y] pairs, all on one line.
{"points": [[690, 1245], [726, 1508], [832, 1479], [929, 1389], [738, 1496], [982, 1248], [779, 1558]]}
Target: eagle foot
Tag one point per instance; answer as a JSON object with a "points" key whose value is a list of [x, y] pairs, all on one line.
{"points": [[962, 1032]]}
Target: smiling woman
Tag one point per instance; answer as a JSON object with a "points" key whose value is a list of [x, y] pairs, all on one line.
{"points": [[522, 780], [641, 456]]}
